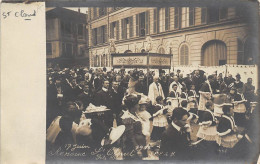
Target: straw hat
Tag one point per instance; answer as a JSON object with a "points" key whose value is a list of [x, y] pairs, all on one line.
{"points": [[115, 134]]}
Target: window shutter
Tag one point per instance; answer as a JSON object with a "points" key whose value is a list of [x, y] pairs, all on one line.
{"points": [[98, 35], [167, 18], [93, 37], [176, 17], [155, 20], [131, 27], [203, 15], [147, 21], [191, 16], [117, 30], [137, 24], [122, 29], [111, 32], [223, 13], [105, 33]]}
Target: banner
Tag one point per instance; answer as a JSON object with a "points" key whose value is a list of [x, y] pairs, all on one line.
{"points": [[129, 61], [159, 61]]}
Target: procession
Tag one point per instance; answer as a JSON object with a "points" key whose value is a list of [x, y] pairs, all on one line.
{"points": [[120, 115], [152, 83]]}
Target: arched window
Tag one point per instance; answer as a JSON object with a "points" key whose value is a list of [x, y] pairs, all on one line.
{"points": [[184, 55], [161, 50], [214, 53], [107, 58]]}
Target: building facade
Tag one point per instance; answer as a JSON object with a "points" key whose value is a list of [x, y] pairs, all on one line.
{"points": [[208, 36], [66, 35]]}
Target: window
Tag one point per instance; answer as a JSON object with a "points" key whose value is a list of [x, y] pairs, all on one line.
{"points": [[103, 36], [240, 52], [223, 13], [66, 28], [177, 18], [250, 50], [142, 24], [214, 53], [127, 28], [94, 12], [213, 14], [49, 48], [203, 15], [184, 55], [240, 12], [94, 36], [69, 49], [191, 16], [102, 11], [112, 30], [99, 35], [80, 30], [131, 29]]}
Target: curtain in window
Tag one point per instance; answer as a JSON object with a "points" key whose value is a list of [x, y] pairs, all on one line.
{"points": [[214, 53]]}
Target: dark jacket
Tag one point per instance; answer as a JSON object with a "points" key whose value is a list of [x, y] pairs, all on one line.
{"points": [[174, 145]]}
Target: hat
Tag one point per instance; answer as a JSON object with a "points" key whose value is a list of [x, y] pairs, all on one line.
{"points": [[238, 76], [116, 133], [135, 75]]}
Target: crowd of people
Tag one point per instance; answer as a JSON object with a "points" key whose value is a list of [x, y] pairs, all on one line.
{"points": [[174, 116]]}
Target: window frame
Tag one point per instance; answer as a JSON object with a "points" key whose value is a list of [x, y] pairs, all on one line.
{"points": [[180, 54]]}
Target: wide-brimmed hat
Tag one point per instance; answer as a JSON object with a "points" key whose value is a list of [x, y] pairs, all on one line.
{"points": [[114, 135]]}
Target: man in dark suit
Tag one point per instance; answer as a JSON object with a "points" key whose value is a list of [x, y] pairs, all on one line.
{"points": [[86, 97], [197, 80], [174, 144], [55, 99], [104, 97], [141, 86], [117, 97], [98, 80]]}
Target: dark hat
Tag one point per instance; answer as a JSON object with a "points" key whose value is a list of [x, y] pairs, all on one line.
{"points": [[210, 77], [238, 76], [135, 75]]}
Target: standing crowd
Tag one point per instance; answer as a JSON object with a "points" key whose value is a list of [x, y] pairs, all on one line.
{"points": [[173, 116]]}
